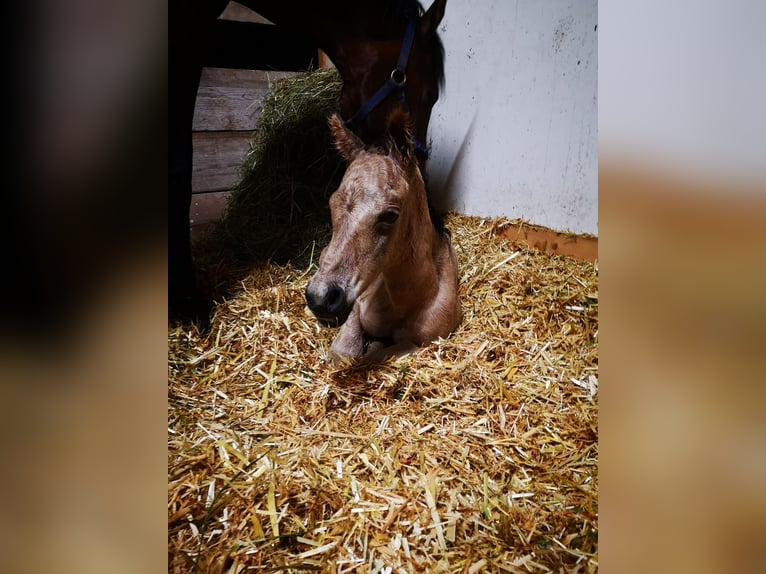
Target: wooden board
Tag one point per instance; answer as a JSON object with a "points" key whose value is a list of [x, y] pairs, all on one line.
{"points": [[240, 13], [217, 159], [230, 100], [583, 247], [207, 207]]}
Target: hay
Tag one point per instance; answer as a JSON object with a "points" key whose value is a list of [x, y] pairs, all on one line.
{"points": [[477, 453], [288, 174]]}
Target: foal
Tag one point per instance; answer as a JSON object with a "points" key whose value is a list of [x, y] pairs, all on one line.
{"points": [[388, 276]]}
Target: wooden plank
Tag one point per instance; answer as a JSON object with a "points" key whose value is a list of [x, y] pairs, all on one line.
{"points": [[238, 78], [324, 60], [583, 247], [217, 159], [207, 207], [239, 13], [230, 100]]}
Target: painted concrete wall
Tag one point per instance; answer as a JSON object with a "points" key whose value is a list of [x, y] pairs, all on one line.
{"points": [[515, 130]]}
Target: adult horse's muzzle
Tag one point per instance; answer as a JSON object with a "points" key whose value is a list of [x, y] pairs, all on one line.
{"points": [[330, 306]]}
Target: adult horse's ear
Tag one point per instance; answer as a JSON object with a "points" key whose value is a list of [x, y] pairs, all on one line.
{"points": [[400, 134], [432, 18], [346, 141]]}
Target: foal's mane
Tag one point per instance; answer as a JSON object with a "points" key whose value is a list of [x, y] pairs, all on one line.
{"points": [[436, 217]]}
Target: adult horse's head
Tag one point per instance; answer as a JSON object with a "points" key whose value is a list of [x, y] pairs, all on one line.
{"points": [[374, 44], [393, 59]]}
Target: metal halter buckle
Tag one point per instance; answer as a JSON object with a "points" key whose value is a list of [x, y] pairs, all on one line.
{"points": [[398, 77]]}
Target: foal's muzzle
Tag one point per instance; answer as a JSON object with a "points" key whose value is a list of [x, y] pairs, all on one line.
{"points": [[331, 306]]}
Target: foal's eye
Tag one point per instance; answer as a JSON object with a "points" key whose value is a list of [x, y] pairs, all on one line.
{"points": [[388, 217]]}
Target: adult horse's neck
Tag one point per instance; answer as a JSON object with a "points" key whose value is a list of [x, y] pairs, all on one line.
{"points": [[327, 21], [336, 26]]}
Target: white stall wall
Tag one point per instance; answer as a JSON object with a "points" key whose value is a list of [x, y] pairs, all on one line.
{"points": [[514, 132]]}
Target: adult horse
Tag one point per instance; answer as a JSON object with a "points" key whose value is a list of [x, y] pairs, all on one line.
{"points": [[387, 52]]}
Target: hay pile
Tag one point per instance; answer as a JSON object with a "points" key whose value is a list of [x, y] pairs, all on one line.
{"points": [[288, 174], [476, 454]]}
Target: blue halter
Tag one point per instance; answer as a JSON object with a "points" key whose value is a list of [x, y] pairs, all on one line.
{"points": [[396, 82]]}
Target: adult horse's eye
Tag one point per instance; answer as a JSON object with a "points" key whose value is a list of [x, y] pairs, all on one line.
{"points": [[388, 217]]}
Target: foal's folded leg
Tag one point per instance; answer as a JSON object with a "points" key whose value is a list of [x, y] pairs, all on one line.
{"points": [[349, 342], [378, 353]]}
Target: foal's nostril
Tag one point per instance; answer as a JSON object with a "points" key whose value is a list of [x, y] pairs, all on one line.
{"points": [[334, 299], [329, 306]]}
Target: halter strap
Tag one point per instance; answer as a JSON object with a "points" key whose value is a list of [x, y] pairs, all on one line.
{"points": [[409, 36], [397, 81]]}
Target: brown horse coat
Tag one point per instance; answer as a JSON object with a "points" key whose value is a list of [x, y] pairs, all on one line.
{"points": [[388, 276]]}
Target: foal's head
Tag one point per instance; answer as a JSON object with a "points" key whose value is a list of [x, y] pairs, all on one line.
{"points": [[378, 213]]}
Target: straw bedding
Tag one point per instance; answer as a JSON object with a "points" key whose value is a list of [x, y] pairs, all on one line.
{"points": [[478, 453]]}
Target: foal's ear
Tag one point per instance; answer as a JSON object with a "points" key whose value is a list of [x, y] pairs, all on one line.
{"points": [[400, 134], [432, 18], [347, 143]]}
